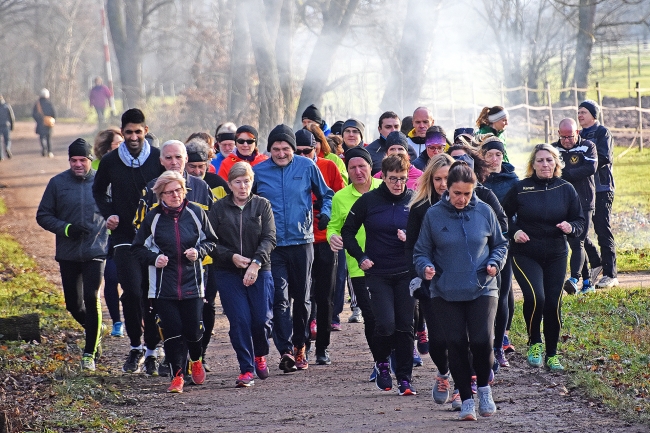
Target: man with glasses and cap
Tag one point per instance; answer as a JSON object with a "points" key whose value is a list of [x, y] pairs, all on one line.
{"points": [[436, 143]]}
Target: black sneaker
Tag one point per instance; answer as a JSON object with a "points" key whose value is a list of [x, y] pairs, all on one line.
{"points": [[288, 363], [405, 388], [134, 361], [323, 358], [164, 370], [384, 381], [151, 366]]}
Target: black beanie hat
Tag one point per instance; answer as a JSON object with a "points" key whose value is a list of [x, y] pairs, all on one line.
{"points": [[592, 106], [282, 133], [80, 147], [354, 123], [337, 128], [246, 128], [397, 137], [313, 113], [305, 138], [357, 152], [492, 143]]}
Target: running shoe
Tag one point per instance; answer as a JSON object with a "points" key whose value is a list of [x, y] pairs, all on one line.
{"points": [[261, 368], [440, 391], [423, 341], [467, 410], [118, 330], [490, 378], [535, 355], [500, 357], [336, 326], [245, 380], [177, 384], [151, 366], [323, 357], [164, 369], [405, 388], [495, 366], [373, 375], [486, 406], [473, 384], [507, 346], [99, 350], [287, 363], [594, 273], [87, 362], [384, 381], [553, 363], [587, 288], [356, 316], [456, 403], [312, 330], [198, 373], [571, 286], [206, 366], [607, 282], [134, 361], [417, 360], [301, 358]]}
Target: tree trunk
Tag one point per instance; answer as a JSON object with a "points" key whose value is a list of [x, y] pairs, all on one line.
{"points": [[410, 63], [269, 94], [584, 43], [25, 327], [239, 66]]}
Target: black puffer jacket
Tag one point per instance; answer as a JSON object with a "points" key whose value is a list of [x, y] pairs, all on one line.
{"points": [[580, 163], [171, 232], [68, 199], [249, 232]]}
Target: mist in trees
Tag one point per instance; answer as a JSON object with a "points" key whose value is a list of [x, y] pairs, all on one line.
{"points": [[263, 61]]}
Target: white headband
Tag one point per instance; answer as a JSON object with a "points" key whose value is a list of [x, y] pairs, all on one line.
{"points": [[498, 116]]}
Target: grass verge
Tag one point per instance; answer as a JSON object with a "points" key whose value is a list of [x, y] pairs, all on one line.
{"points": [[605, 345], [43, 387]]}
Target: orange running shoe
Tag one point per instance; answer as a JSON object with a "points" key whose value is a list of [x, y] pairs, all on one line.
{"points": [[198, 372], [301, 358], [177, 384]]}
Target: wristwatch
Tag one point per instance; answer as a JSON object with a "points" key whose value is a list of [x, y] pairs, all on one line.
{"points": [[257, 262]]}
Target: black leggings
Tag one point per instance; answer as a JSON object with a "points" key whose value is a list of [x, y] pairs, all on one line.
{"points": [[503, 308], [541, 284], [468, 325], [111, 295], [358, 285], [209, 306], [181, 324], [392, 306], [81, 282], [323, 279], [578, 254], [437, 342]]}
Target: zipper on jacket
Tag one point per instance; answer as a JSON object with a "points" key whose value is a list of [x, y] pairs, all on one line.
{"points": [[179, 256], [241, 227]]}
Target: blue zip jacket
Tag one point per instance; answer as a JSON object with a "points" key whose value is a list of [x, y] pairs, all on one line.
{"points": [[460, 245], [289, 190]]}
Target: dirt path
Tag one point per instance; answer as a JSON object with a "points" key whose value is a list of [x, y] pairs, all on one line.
{"points": [[323, 398]]}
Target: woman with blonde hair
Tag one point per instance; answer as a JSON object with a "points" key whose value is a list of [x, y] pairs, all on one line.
{"points": [[172, 241], [547, 210]]}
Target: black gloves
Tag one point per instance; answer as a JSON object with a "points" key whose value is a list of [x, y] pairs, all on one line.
{"points": [[75, 231], [323, 220]]}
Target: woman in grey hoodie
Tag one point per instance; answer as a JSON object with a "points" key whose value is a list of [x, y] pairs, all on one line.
{"points": [[461, 249]]}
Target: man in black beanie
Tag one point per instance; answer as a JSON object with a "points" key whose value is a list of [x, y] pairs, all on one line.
{"points": [[68, 210], [312, 115], [288, 183]]}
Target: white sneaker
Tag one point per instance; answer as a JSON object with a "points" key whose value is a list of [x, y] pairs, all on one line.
{"points": [[607, 282], [467, 411], [356, 316], [486, 406], [594, 273]]}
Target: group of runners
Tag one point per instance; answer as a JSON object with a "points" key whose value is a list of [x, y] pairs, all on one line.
{"points": [[424, 229]]}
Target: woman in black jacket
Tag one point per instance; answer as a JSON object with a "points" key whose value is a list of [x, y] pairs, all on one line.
{"points": [[172, 241], [245, 227], [384, 212], [547, 210]]}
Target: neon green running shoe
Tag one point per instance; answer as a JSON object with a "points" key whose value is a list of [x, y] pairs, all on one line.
{"points": [[553, 363], [535, 355]]}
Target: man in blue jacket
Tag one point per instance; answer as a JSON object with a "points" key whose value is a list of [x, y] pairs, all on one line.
{"points": [[288, 183]]}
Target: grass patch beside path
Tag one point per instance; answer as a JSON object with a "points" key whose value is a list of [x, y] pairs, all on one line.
{"points": [[43, 387], [605, 347]]}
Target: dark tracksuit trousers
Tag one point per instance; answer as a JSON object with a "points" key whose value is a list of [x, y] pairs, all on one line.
{"points": [[250, 313], [181, 324], [603, 229], [323, 279], [363, 302], [291, 272], [81, 282], [578, 254], [111, 295], [209, 306], [468, 325], [391, 300], [503, 316]]}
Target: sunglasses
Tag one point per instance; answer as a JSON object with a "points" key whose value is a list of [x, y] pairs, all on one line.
{"points": [[304, 151], [242, 141]]}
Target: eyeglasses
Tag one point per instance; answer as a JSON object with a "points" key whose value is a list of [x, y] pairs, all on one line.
{"points": [[395, 180], [178, 191], [242, 141], [436, 147], [304, 151], [566, 137]]}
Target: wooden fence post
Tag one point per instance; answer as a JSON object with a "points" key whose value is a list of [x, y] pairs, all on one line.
{"points": [[629, 78], [575, 99], [599, 94], [550, 107], [638, 104], [527, 112], [547, 131]]}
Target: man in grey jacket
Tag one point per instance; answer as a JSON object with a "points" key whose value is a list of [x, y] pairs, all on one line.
{"points": [[68, 210], [7, 121]]}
